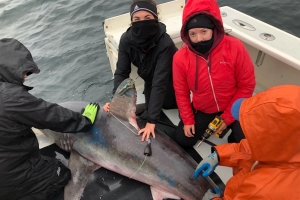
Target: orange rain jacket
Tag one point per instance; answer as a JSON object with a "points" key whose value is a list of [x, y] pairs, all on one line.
{"points": [[270, 121], [216, 79]]}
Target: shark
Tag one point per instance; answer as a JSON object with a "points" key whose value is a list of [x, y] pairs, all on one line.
{"points": [[113, 143]]}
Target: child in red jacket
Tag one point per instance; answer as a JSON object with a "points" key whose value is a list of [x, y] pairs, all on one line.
{"points": [[212, 66]]}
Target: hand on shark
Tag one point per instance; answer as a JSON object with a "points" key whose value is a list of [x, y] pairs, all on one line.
{"points": [[147, 131], [149, 128], [106, 107], [90, 111]]}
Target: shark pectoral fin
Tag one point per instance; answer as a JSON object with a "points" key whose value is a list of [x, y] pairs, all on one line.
{"points": [[158, 194], [81, 169]]}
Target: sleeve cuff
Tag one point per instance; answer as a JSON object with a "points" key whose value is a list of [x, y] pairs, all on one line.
{"points": [[151, 121], [227, 120], [214, 149]]}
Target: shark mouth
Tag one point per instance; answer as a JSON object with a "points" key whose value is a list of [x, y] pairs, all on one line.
{"points": [[123, 103]]}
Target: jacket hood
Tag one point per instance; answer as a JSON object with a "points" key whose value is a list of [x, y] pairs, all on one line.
{"points": [[206, 7], [15, 61], [270, 121]]}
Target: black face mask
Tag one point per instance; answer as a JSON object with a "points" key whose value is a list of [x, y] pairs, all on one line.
{"points": [[204, 46], [144, 33]]}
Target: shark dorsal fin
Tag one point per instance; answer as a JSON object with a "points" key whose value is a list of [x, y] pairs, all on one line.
{"points": [[123, 103]]}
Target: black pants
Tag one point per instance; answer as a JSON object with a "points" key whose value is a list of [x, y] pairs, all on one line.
{"points": [[202, 120], [169, 99], [44, 181]]}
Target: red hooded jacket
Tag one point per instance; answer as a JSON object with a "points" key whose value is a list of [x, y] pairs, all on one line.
{"points": [[270, 121], [217, 79]]}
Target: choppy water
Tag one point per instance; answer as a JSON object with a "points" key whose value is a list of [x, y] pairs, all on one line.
{"points": [[66, 39]]}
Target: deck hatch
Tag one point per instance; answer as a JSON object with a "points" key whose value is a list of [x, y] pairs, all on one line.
{"points": [[243, 25]]}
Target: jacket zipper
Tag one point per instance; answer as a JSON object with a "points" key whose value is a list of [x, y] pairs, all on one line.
{"points": [[209, 75], [196, 79], [142, 56]]}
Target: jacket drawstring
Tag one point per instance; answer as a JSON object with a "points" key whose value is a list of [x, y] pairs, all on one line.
{"points": [[209, 62], [197, 69]]}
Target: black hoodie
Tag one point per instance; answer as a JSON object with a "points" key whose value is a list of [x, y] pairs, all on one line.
{"points": [[19, 111]]}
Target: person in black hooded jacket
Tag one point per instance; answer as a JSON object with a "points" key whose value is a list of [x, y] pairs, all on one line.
{"points": [[148, 47], [24, 173]]}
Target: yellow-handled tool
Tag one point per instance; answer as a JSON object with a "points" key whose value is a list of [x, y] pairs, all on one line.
{"points": [[212, 127]]}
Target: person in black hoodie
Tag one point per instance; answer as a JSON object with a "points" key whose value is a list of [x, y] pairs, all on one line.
{"points": [[24, 173], [148, 47]]}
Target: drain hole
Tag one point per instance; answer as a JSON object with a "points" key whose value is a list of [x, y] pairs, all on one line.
{"points": [[267, 36], [223, 14]]}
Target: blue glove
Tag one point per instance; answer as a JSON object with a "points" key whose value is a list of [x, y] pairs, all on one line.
{"points": [[208, 164], [209, 195]]}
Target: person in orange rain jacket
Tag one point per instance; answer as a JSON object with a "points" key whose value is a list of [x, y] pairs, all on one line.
{"points": [[267, 162], [216, 68]]}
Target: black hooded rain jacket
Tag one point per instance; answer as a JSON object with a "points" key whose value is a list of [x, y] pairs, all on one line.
{"points": [[22, 167]]}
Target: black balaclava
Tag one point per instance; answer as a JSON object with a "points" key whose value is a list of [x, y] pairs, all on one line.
{"points": [[201, 21], [204, 46], [145, 32]]}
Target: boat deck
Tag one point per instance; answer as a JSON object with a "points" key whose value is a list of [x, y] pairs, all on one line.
{"points": [[275, 55]]}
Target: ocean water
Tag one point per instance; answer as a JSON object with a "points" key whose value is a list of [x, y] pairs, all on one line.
{"points": [[66, 39]]}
